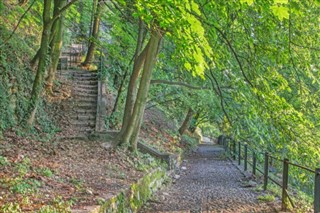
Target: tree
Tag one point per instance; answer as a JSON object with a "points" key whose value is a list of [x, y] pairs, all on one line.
{"points": [[55, 44], [37, 88], [156, 16], [94, 37]]}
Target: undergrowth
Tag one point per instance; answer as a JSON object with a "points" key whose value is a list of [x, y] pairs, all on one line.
{"points": [[16, 80]]}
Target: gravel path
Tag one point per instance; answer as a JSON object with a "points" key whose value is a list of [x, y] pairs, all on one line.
{"points": [[208, 183]]}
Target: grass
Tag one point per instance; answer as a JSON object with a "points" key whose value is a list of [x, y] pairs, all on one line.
{"points": [[266, 198]]}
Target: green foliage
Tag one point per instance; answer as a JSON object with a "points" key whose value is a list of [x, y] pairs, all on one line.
{"points": [[266, 198], [146, 162], [24, 186], [4, 161], [58, 206], [23, 167], [189, 142], [16, 82], [11, 208], [45, 172], [179, 21]]}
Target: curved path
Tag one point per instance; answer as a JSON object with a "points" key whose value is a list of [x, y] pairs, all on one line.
{"points": [[208, 183]]}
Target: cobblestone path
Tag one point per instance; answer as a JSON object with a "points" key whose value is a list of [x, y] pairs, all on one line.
{"points": [[208, 183]]}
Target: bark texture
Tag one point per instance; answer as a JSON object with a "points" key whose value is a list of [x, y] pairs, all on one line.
{"points": [[140, 56], [186, 123], [131, 131], [94, 34], [55, 45], [39, 79]]}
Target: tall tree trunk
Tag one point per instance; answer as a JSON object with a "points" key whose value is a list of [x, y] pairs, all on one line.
{"points": [[55, 45], [34, 61], [186, 123], [140, 56], [194, 122], [39, 79], [94, 34], [132, 131]]}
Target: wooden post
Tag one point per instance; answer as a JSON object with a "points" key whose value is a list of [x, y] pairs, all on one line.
{"points": [[239, 154], [266, 170], [285, 178], [317, 191], [254, 163], [245, 157], [234, 150]]}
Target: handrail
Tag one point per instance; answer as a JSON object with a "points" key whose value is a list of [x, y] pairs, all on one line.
{"points": [[237, 154]]}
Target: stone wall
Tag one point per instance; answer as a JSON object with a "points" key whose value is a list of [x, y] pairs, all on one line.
{"points": [[132, 199]]}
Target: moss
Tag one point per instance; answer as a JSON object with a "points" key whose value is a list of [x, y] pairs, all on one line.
{"points": [[132, 199]]}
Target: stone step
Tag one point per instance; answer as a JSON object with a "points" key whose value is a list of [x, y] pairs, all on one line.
{"points": [[85, 78], [84, 74], [84, 130], [92, 101], [89, 87], [91, 111], [76, 71], [80, 117], [84, 125], [79, 78], [86, 106], [86, 83], [85, 96], [81, 75], [87, 91]]}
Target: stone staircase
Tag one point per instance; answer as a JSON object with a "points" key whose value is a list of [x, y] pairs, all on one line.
{"points": [[82, 107], [86, 110]]}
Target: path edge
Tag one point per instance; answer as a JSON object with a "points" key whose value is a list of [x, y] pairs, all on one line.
{"points": [[134, 197]]}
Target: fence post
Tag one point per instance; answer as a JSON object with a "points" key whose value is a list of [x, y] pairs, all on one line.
{"points": [[239, 154], [266, 170], [245, 157], [317, 191], [234, 150], [254, 163], [285, 177]]}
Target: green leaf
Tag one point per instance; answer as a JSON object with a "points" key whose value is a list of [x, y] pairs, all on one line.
{"points": [[281, 1], [281, 12], [249, 2]]}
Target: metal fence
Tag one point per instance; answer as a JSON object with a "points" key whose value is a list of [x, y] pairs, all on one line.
{"points": [[242, 152]]}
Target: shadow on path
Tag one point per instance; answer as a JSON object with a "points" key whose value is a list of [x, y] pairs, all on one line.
{"points": [[208, 183]]}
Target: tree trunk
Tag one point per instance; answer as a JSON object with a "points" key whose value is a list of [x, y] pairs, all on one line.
{"points": [[194, 123], [186, 123], [132, 131], [55, 45], [139, 61], [39, 79], [34, 61], [94, 35]]}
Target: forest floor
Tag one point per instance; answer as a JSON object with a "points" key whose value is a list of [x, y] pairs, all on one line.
{"points": [[37, 174], [61, 173]]}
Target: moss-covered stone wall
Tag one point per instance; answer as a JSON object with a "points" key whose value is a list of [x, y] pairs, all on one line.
{"points": [[132, 199]]}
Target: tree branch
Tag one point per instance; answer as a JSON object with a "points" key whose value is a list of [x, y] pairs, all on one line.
{"points": [[227, 42], [178, 84], [302, 46], [16, 27], [221, 97], [62, 10]]}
